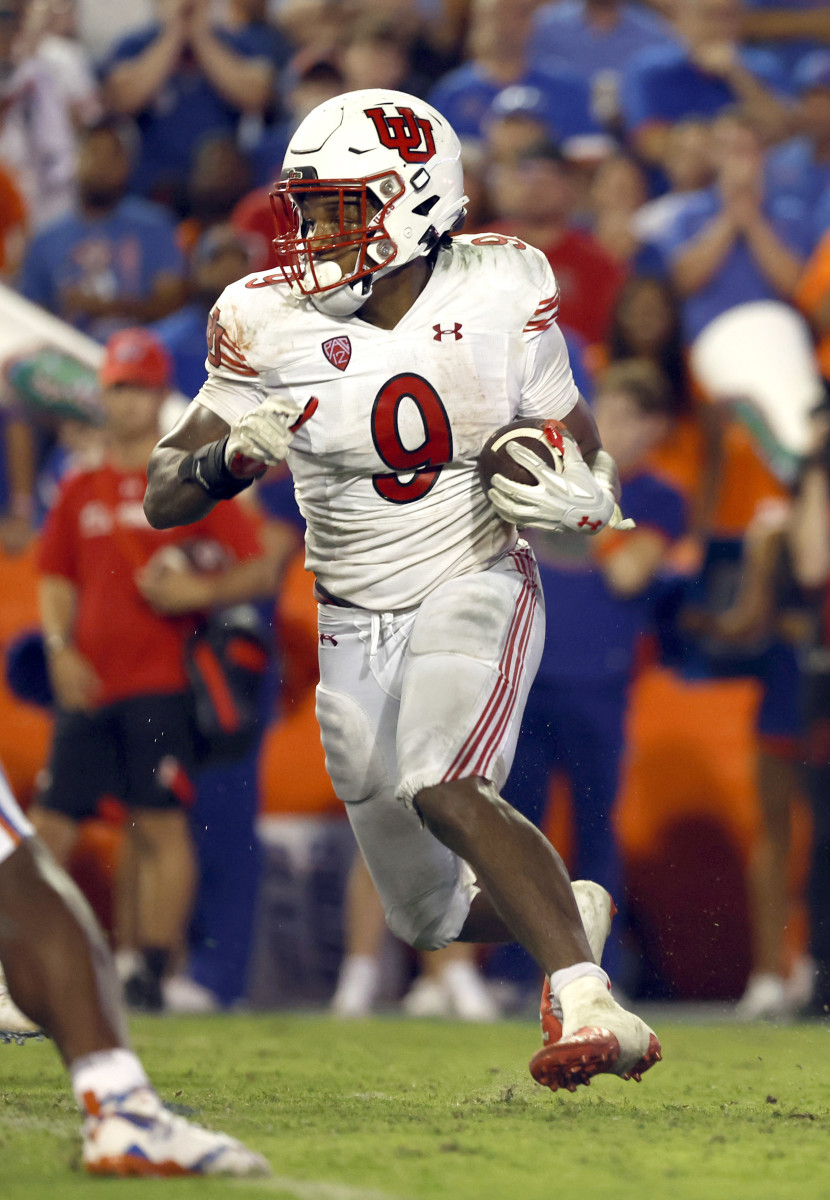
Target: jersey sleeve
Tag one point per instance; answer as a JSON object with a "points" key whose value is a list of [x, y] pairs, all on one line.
{"points": [[548, 388], [233, 386]]}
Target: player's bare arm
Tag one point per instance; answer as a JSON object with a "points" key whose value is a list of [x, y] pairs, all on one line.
{"points": [[169, 499], [204, 459]]}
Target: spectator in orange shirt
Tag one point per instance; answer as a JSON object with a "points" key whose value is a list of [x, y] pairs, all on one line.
{"points": [[813, 298]]}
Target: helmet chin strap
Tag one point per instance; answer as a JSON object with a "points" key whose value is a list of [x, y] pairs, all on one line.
{"points": [[342, 301]]}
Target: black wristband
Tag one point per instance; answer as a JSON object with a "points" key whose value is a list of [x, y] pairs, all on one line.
{"points": [[207, 468]]}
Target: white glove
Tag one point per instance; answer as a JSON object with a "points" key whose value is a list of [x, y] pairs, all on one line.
{"points": [[573, 499], [261, 438]]}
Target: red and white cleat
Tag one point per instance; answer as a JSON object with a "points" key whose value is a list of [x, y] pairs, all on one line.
{"points": [[599, 1038], [597, 909], [588, 1052], [136, 1135]]}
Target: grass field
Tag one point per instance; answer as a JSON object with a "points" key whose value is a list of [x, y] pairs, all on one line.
{"points": [[404, 1110]]}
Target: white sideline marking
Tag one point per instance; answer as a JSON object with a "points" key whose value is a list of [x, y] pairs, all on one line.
{"points": [[314, 1189]]}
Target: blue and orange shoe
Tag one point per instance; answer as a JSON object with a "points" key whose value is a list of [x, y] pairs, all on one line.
{"points": [[135, 1134]]}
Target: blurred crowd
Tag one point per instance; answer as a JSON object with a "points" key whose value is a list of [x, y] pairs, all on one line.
{"points": [[672, 161]]}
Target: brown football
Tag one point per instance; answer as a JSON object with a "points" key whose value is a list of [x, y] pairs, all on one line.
{"points": [[543, 437]]}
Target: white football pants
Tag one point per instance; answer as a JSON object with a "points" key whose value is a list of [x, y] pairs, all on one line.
{"points": [[409, 700]]}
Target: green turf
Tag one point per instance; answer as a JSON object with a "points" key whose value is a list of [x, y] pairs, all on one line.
{"points": [[404, 1110]]}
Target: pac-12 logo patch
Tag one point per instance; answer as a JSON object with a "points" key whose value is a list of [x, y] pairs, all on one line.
{"points": [[338, 350], [411, 136]]}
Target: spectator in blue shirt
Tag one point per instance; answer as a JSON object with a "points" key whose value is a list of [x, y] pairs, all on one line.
{"points": [[709, 71], [181, 79], [734, 243], [497, 59], [788, 29], [596, 38], [802, 164], [221, 256], [114, 261]]}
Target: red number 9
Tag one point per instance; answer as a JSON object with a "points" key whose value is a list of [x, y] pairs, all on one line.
{"points": [[425, 460]]}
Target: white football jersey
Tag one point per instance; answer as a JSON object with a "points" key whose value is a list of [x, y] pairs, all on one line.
{"points": [[385, 470]]}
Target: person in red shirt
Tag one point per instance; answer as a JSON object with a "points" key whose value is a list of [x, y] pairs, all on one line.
{"points": [[534, 198], [119, 601]]}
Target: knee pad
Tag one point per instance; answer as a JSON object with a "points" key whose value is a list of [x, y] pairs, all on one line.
{"points": [[433, 920], [354, 757]]}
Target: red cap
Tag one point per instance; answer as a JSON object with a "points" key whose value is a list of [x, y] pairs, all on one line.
{"points": [[135, 356]]}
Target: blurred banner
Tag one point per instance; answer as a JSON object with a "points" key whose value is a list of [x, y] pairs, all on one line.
{"points": [[51, 367]]}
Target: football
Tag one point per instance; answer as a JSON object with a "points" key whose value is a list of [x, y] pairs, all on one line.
{"points": [[543, 437]]}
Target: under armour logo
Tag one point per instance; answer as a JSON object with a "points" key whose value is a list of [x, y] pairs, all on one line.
{"points": [[327, 639], [404, 133], [455, 331], [587, 523]]}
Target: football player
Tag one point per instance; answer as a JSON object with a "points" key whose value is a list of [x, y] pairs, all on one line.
{"points": [[377, 359], [61, 974]]}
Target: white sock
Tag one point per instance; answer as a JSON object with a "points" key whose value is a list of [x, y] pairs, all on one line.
{"points": [[127, 963], [464, 971], [105, 1073], [359, 971], [561, 979]]}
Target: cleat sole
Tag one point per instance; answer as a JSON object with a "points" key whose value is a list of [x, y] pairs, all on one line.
{"points": [[574, 1061], [129, 1165]]}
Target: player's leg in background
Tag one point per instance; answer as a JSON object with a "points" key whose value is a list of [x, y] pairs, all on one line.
{"points": [[62, 975], [57, 964], [57, 831]]}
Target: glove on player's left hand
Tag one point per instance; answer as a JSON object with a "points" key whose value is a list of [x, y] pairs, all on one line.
{"points": [[573, 499]]}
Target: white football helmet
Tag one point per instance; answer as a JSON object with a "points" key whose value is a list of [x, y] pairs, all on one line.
{"points": [[400, 159]]}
